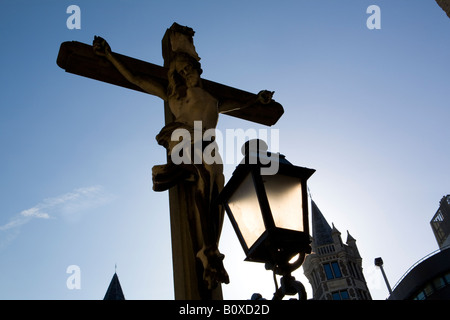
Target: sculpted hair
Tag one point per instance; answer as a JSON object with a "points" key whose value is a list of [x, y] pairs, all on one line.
{"points": [[177, 84]]}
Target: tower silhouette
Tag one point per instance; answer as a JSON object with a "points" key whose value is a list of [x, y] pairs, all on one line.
{"points": [[334, 268], [114, 291]]}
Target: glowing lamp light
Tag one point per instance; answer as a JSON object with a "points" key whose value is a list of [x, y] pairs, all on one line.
{"points": [[269, 212]]}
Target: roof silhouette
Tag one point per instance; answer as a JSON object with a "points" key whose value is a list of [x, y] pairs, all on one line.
{"points": [[320, 228], [114, 291]]}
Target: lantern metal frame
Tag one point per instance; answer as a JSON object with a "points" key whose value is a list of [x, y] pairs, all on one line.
{"points": [[275, 246]]}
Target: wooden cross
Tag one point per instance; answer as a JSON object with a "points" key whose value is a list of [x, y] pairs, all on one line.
{"points": [[79, 58]]}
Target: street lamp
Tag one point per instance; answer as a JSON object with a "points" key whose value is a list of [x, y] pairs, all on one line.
{"points": [[379, 263], [269, 212]]}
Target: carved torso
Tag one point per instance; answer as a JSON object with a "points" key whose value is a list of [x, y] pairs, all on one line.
{"points": [[197, 105]]}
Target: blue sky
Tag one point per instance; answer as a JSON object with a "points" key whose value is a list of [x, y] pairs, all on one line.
{"points": [[368, 109]]}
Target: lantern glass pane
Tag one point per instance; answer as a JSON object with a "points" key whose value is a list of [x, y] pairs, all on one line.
{"points": [[245, 208], [285, 199]]}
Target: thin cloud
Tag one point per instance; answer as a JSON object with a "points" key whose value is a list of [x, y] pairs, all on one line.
{"points": [[35, 212], [13, 224], [68, 205]]}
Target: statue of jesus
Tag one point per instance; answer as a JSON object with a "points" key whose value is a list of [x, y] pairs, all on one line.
{"points": [[190, 105]]}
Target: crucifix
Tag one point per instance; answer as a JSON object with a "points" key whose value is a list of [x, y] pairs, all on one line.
{"points": [[191, 104]]}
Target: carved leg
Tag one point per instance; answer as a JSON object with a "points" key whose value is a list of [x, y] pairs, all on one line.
{"points": [[211, 219], [206, 226], [213, 269]]}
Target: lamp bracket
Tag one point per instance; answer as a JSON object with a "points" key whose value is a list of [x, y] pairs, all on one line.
{"points": [[289, 286]]}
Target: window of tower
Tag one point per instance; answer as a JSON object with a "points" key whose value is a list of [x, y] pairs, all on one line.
{"points": [[332, 270]]}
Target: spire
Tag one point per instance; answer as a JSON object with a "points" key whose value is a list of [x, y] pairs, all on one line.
{"points": [[320, 228], [336, 235], [114, 291], [351, 242], [350, 239], [334, 229]]}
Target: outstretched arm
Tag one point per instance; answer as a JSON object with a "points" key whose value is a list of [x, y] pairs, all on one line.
{"points": [[263, 97], [102, 48]]}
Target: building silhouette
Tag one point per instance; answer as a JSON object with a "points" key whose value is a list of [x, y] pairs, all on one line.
{"points": [[445, 5], [114, 291], [334, 268], [429, 278], [440, 224]]}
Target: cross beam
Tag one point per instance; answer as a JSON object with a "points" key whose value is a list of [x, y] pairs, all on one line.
{"points": [[79, 58]]}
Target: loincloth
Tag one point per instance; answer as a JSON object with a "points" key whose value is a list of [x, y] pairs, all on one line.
{"points": [[164, 137], [165, 176]]}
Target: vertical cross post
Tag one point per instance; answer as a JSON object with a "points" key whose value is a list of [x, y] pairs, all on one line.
{"points": [[187, 270]]}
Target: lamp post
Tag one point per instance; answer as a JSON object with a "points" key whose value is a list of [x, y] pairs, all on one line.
{"points": [[379, 263], [269, 213]]}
